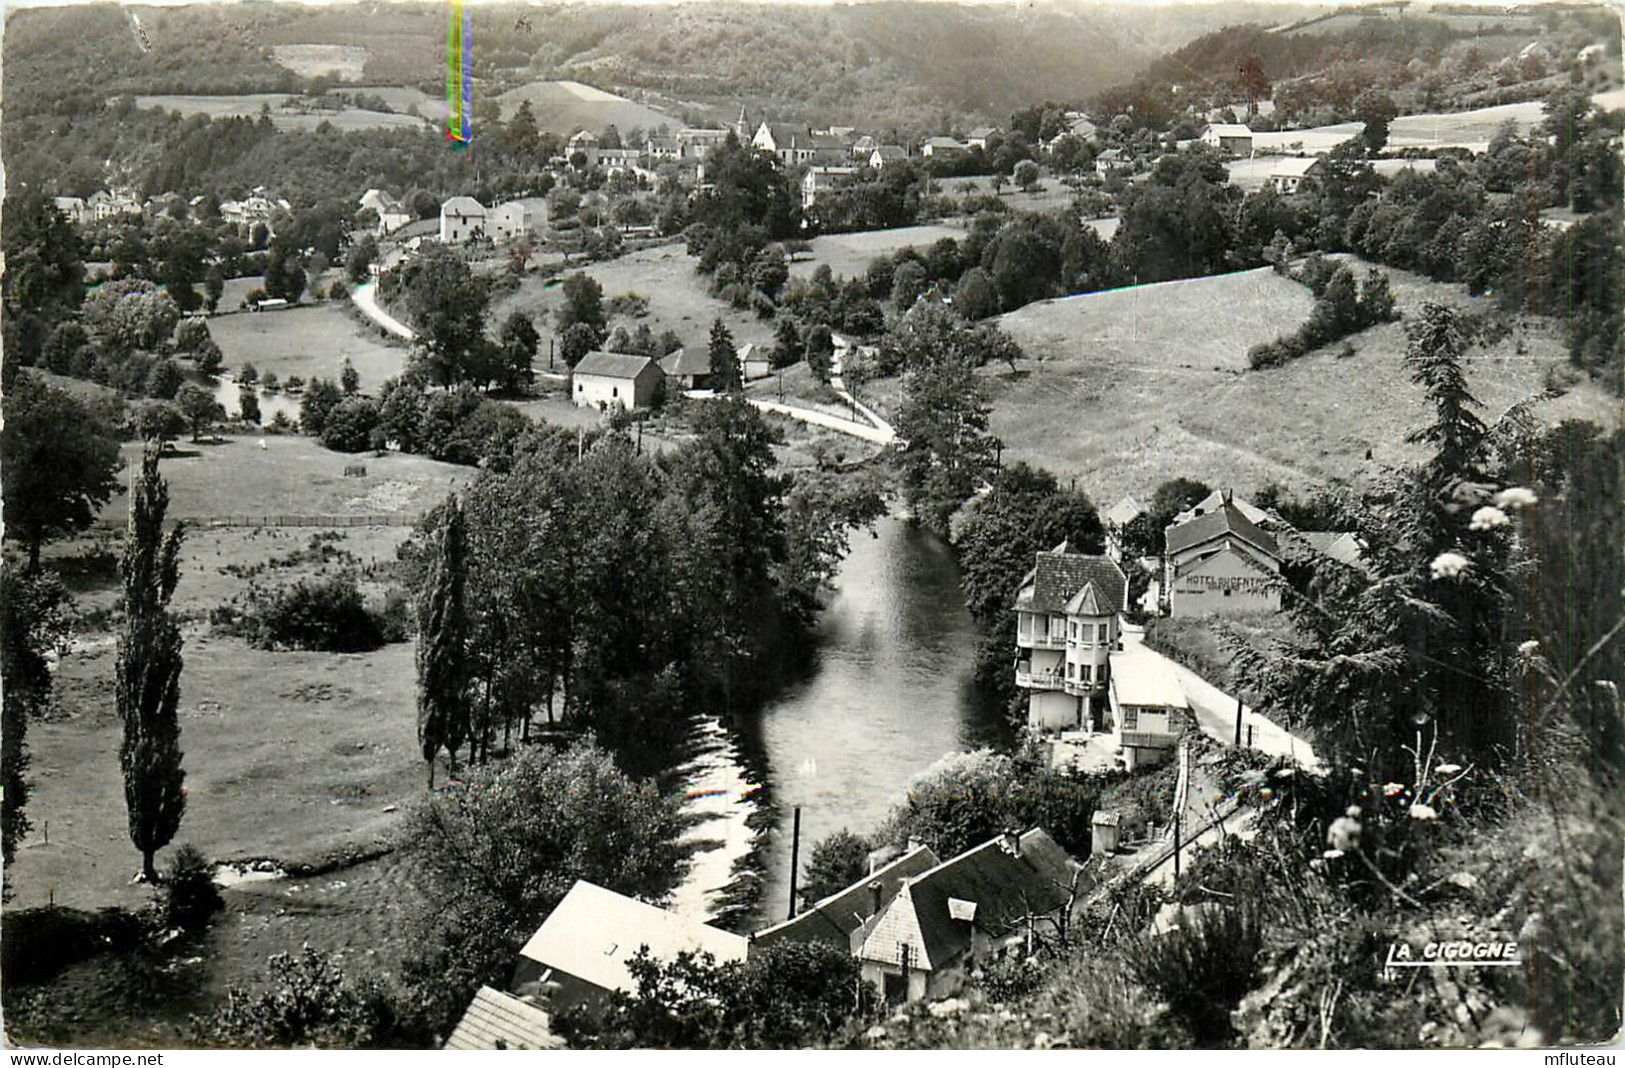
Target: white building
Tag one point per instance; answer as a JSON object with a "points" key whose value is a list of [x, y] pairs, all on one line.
{"points": [[461, 219], [1232, 137], [1066, 628], [507, 221], [1219, 560], [605, 379], [392, 214], [820, 180], [75, 210], [1287, 174], [1148, 707]]}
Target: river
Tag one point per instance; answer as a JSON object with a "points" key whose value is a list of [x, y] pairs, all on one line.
{"points": [[888, 694]]}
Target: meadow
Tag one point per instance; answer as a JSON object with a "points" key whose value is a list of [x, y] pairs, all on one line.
{"points": [[1131, 387], [1452, 129], [848, 255], [308, 341], [248, 105]]}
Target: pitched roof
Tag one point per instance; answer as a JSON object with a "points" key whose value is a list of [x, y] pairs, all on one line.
{"points": [[1216, 498], [834, 918], [687, 362], [495, 1020], [462, 206], [1143, 678], [1060, 576], [944, 142], [612, 364], [593, 933], [1293, 166], [1124, 511], [788, 134], [1003, 886], [1341, 545], [983, 132], [887, 152], [1227, 519], [1229, 129]]}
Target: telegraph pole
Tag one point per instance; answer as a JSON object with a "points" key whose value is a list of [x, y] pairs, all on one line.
{"points": [[795, 859]]}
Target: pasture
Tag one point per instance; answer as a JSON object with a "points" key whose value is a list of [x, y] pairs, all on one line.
{"points": [[1049, 195], [565, 107], [248, 105], [1456, 129], [344, 62], [848, 255], [1134, 386], [308, 341]]}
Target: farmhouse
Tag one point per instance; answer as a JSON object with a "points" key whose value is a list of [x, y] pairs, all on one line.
{"points": [[823, 180], [1148, 707], [885, 155], [461, 219], [797, 144], [864, 146], [687, 370], [699, 143], [1066, 627], [392, 214], [1220, 561], [978, 137], [842, 919], [579, 954], [1231, 137], [658, 148], [753, 361], [942, 146], [605, 379], [104, 204], [1287, 174], [507, 221], [1112, 161], [584, 142], [984, 902], [75, 210]]}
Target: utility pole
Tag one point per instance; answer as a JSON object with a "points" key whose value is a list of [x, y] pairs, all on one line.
{"points": [[1176, 841], [795, 859], [1238, 720]]}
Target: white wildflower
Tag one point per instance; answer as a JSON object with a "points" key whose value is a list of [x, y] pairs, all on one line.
{"points": [[1344, 834], [1447, 769], [1464, 879], [1420, 811], [1448, 565], [1528, 648], [1332, 854], [1516, 497], [1352, 812], [1393, 789], [1488, 518]]}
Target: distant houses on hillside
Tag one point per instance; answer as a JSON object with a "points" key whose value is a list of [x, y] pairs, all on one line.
{"points": [[392, 213], [464, 219]]}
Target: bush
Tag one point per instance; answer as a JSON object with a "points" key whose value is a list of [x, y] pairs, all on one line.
{"points": [[189, 894], [323, 615], [349, 427], [1204, 966]]}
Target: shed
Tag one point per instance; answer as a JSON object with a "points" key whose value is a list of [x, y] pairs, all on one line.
{"points": [[495, 1020]]}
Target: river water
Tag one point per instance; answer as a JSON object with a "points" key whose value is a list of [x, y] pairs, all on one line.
{"points": [[888, 694]]}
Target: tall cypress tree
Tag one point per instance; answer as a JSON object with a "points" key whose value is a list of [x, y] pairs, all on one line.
{"points": [[443, 711], [725, 376], [149, 670]]}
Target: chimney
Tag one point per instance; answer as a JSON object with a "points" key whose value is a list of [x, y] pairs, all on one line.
{"points": [[1010, 842], [1227, 495], [875, 892], [913, 844]]}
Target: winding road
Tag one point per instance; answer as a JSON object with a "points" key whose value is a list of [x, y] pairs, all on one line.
{"points": [[365, 297]]}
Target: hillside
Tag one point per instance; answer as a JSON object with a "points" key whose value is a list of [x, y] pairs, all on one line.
{"points": [[565, 107], [1130, 387]]}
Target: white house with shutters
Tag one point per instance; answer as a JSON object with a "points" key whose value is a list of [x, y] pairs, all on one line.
{"points": [[1067, 625]]}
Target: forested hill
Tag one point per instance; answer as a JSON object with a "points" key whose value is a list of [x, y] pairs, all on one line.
{"points": [[902, 62]]}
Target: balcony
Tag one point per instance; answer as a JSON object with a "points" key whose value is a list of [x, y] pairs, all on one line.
{"points": [[1033, 640], [1028, 679]]}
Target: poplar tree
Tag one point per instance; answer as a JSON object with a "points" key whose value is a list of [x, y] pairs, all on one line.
{"points": [[149, 670], [725, 377], [443, 716]]}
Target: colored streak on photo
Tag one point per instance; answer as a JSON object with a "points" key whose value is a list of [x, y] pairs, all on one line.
{"points": [[459, 75]]}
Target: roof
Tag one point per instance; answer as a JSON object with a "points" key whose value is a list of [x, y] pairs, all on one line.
{"points": [[1124, 511], [891, 152], [495, 1020], [984, 131], [1294, 166], [834, 918], [1004, 887], [1059, 577], [787, 134], [943, 142], [1216, 498], [686, 362], [1229, 129], [1226, 520], [1340, 545], [612, 364], [1143, 678], [593, 933], [462, 206]]}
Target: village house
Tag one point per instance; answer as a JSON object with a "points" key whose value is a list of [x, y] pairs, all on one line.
{"points": [[885, 155], [461, 219], [753, 361], [392, 213], [1148, 707], [842, 919], [584, 142], [794, 145], [1066, 627], [106, 204], [605, 379], [686, 370], [75, 210], [256, 209], [823, 180], [696, 143], [933, 147], [506, 222], [494, 1020], [997, 898], [1287, 173], [1113, 161], [978, 137], [1231, 137], [1116, 521], [580, 953], [1220, 561], [864, 146], [659, 148]]}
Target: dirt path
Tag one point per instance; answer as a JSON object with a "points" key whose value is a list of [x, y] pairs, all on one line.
{"points": [[366, 298]]}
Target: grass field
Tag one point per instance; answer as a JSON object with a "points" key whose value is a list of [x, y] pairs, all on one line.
{"points": [[665, 274], [311, 341], [565, 107], [1135, 386], [1050, 194], [848, 255], [292, 475], [248, 105], [1466, 129]]}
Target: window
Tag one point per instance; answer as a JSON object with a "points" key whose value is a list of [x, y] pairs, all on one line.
{"points": [[1102, 633], [1131, 718], [1227, 591], [614, 391], [1084, 672], [581, 387], [1057, 626], [1070, 669], [1072, 630]]}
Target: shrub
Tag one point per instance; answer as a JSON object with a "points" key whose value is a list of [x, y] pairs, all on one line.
{"points": [[189, 894], [1204, 966], [323, 615]]}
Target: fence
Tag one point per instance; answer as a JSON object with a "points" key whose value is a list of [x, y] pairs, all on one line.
{"points": [[336, 521]]}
